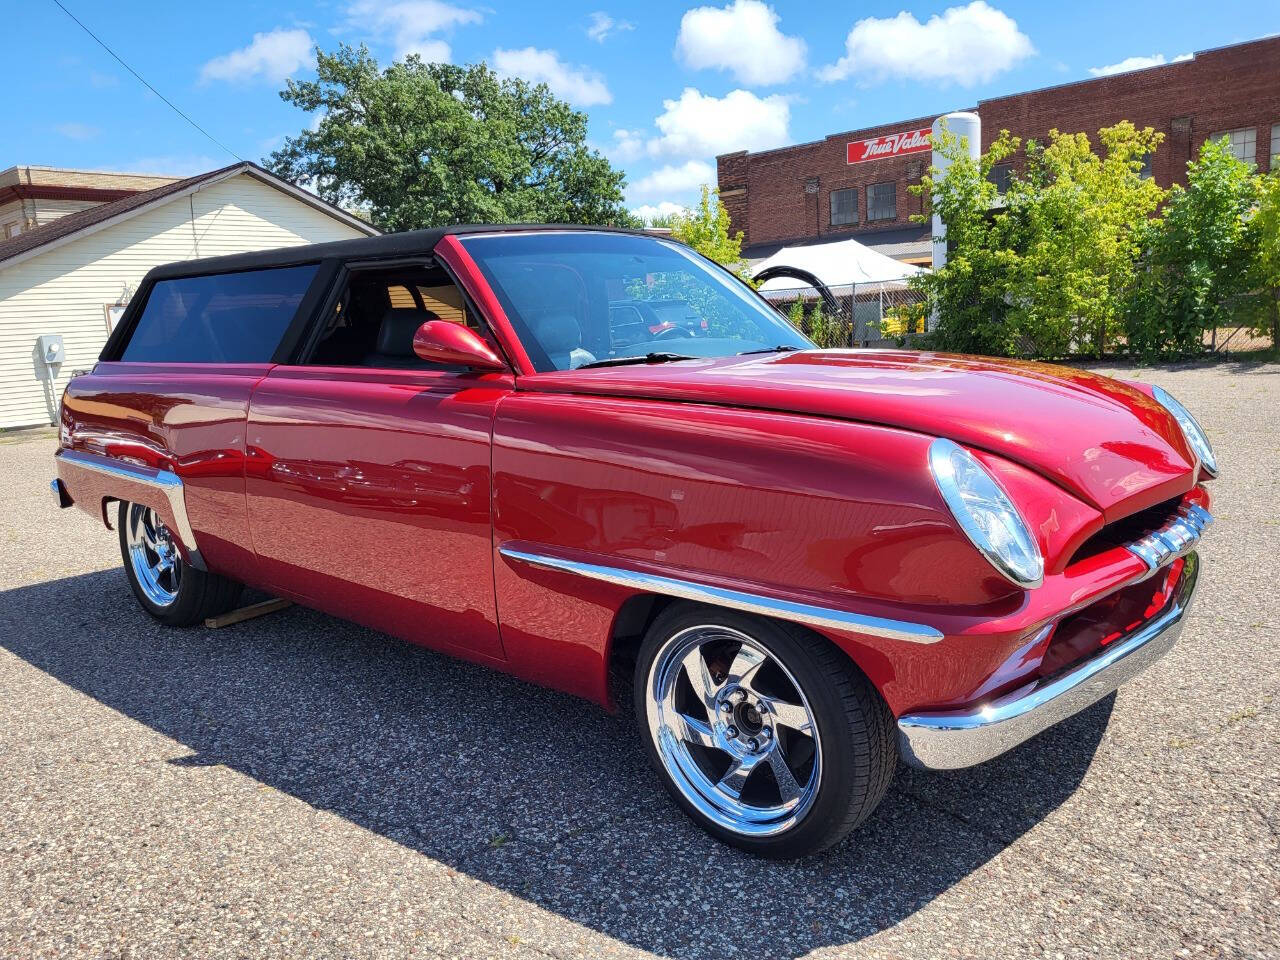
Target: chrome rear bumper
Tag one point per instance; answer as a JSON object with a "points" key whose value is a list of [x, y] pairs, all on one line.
{"points": [[961, 738], [89, 479]]}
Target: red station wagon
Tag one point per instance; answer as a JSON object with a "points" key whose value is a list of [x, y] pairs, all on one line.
{"points": [[811, 562]]}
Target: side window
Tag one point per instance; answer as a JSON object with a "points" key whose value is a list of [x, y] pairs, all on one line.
{"points": [[377, 313], [221, 318]]}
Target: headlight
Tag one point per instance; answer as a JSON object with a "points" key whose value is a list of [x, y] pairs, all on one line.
{"points": [[1190, 429], [986, 514]]}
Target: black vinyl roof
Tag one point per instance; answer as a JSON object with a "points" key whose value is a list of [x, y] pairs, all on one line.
{"points": [[411, 243]]}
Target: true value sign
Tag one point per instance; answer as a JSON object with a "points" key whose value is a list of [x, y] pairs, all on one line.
{"points": [[892, 145]]}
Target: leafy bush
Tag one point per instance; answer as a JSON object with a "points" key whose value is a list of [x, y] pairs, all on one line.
{"points": [[1084, 255], [1199, 264]]}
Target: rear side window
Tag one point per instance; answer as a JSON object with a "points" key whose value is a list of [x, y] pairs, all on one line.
{"points": [[221, 318]]}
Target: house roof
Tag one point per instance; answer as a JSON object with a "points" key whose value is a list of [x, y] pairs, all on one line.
{"points": [[82, 221]]}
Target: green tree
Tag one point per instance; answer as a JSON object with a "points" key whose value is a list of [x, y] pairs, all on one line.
{"points": [[1077, 218], [1266, 225], [667, 220], [423, 144], [706, 229], [1201, 258], [970, 297]]}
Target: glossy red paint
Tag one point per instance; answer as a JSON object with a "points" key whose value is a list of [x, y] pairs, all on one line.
{"points": [[188, 418], [368, 497], [438, 341], [1109, 445], [386, 496]]}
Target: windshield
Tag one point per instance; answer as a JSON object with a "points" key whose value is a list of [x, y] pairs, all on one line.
{"points": [[576, 298]]}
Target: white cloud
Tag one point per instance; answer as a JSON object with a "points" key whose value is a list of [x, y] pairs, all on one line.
{"points": [[701, 125], [271, 57], [647, 212], [1136, 63], [742, 38], [77, 131], [580, 86], [410, 25], [627, 145], [964, 45], [602, 25], [676, 179]]}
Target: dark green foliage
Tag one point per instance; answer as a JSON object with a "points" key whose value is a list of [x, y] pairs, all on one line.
{"points": [[427, 144]]}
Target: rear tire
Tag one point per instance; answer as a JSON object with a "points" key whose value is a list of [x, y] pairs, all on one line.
{"points": [[167, 587], [765, 734]]}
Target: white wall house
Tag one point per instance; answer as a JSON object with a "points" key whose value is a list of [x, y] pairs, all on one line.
{"points": [[70, 278]]}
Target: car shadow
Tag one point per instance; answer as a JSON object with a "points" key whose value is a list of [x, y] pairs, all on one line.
{"points": [[540, 795]]}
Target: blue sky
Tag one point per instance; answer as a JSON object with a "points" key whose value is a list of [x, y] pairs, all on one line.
{"points": [[667, 85]]}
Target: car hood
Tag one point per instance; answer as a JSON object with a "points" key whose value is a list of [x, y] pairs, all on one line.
{"points": [[1105, 441]]}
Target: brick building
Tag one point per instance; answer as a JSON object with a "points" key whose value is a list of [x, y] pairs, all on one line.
{"points": [[31, 196], [855, 183]]}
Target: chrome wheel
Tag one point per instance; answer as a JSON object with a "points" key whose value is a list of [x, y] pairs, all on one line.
{"points": [[156, 563], [733, 730]]}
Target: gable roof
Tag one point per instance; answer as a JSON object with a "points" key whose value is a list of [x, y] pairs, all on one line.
{"points": [[104, 214]]}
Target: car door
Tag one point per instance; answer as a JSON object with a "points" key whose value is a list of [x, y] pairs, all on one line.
{"points": [[368, 470]]}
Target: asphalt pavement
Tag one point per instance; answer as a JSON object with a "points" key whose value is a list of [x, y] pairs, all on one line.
{"points": [[297, 786]]}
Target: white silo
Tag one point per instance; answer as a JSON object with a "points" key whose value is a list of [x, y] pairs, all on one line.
{"points": [[960, 124]]}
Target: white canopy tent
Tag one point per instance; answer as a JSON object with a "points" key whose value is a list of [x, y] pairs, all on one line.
{"points": [[837, 264]]}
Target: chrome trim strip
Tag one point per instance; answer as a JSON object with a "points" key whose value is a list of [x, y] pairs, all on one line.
{"points": [[827, 617], [165, 482], [1179, 536], [961, 738]]}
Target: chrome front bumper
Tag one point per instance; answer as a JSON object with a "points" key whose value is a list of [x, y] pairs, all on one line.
{"points": [[961, 738]]}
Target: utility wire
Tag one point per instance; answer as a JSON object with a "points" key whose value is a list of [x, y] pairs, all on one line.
{"points": [[143, 81]]}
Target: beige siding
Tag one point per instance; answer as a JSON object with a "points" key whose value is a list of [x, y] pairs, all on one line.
{"points": [[65, 289], [13, 213], [41, 211]]}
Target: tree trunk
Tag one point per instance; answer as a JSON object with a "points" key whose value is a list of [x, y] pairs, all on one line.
{"points": [[1275, 319]]}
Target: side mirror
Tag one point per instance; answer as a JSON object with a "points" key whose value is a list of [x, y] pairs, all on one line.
{"points": [[455, 345]]}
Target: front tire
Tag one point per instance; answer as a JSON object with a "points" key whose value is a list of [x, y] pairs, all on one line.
{"points": [[766, 735], [168, 588]]}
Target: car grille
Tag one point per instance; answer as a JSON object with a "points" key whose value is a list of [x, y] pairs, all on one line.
{"points": [[1155, 535]]}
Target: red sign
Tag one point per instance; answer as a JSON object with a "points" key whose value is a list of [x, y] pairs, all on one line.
{"points": [[912, 141]]}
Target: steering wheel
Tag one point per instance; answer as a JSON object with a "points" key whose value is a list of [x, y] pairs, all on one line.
{"points": [[674, 333]]}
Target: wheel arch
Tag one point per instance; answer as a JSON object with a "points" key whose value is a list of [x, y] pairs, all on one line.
{"points": [[638, 612]]}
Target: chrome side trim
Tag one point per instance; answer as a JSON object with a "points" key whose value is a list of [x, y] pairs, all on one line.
{"points": [[1175, 539], [961, 738], [164, 482], [827, 617]]}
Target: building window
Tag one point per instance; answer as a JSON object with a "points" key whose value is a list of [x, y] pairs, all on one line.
{"points": [[1000, 175], [1145, 171], [1243, 144], [844, 207], [12, 229], [882, 201], [1275, 146]]}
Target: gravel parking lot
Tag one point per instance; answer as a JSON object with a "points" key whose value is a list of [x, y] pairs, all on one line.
{"points": [[300, 787]]}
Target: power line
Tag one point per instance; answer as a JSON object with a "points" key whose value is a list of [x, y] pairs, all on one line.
{"points": [[143, 81]]}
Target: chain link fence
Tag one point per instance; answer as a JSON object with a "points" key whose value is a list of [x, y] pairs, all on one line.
{"points": [[883, 314]]}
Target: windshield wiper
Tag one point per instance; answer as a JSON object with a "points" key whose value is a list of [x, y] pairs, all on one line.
{"points": [[780, 348], [647, 358]]}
